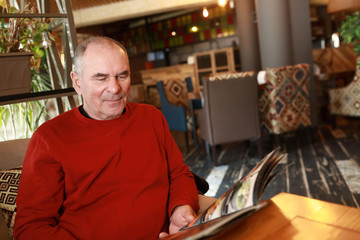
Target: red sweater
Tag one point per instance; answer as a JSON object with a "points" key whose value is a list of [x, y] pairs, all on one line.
{"points": [[89, 179]]}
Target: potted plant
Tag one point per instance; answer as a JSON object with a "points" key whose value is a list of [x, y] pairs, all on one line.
{"points": [[21, 43], [350, 32]]}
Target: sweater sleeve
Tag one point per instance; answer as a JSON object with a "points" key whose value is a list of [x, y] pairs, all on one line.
{"points": [[182, 185], [40, 195]]}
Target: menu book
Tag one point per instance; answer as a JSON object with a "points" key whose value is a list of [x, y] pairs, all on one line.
{"points": [[238, 201]]}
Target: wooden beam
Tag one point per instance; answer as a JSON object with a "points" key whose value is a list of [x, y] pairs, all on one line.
{"points": [[32, 15], [132, 9]]}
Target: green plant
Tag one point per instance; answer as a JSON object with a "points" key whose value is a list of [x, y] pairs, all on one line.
{"points": [[24, 34], [350, 31], [20, 120]]}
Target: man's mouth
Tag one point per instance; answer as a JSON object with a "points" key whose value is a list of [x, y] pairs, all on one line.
{"points": [[119, 98]]}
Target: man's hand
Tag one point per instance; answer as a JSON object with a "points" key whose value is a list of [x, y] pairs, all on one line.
{"points": [[182, 215]]}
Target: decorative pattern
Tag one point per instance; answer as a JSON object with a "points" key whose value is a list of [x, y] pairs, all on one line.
{"points": [[9, 184], [176, 92], [284, 103], [228, 75], [346, 100]]}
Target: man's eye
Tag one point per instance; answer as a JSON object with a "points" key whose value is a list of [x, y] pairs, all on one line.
{"points": [[100, 79], [123, 76]]}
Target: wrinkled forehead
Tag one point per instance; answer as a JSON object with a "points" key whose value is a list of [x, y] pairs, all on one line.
{"points": [[104, 47], [109, 56]]}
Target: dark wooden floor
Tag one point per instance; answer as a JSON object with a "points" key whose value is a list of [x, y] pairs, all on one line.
{"points": [[314, 173]]}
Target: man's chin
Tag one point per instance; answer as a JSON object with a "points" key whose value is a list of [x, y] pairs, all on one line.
{"points": [[109, 115], [113, 104], [116, 110]]}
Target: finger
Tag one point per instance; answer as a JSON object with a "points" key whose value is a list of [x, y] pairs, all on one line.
{"points": [[190, 216], [173, 228], [163, 235]]}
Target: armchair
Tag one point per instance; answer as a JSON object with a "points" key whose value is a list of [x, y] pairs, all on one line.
{"points": [[346, 100], [230, 111], [284, 103], [194, 104], [174, 115], [12, 156]]}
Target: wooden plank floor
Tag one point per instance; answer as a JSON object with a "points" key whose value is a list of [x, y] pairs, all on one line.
{"points": [[325, 164]]}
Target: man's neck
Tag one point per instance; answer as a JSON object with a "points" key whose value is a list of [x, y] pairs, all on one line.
{"points": [[85, 114]]}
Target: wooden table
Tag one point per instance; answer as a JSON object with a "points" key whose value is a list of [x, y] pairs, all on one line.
{"points": [[289, 216]]}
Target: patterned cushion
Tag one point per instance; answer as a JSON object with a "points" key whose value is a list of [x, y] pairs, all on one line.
{"points": [[284, 104], [346, 100], [176, 93], [228, 75], [9, 183]]}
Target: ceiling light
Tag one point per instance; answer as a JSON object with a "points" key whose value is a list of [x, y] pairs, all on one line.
{"points": [[205, 13], [336, 40], [194, 29], [222, 3], [231, 4]]}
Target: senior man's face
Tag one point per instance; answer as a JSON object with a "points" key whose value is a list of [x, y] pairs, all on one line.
{"points": [[104, 81]]}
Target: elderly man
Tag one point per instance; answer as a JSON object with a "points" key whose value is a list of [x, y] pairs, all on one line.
{"points": [[107, 169]]}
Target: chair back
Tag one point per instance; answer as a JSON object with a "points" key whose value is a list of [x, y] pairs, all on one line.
{"points": [[189, 85], [13, 153], [345, 100], [284, 104], [175, 115], [230, 110]]}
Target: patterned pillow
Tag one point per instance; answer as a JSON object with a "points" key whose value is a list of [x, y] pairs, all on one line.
{"points": [[9, 184], [228, 75]]}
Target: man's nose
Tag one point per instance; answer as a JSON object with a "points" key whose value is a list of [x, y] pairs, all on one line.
{"points": [[114, 85]]}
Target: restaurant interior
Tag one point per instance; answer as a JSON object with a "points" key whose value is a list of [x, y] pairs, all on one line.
{"points": [[235, 79]]}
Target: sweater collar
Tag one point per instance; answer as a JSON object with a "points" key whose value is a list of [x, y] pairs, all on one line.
{"points": [[84, 113]]}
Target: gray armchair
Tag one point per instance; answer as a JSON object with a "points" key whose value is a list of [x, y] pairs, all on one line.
{"points": [[230, 111], [12, 156]]}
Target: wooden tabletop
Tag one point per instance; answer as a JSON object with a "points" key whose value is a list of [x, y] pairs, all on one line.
{"points": [[289, 216]]}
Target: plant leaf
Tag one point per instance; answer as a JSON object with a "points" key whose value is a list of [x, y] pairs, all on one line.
{"points": [[2, 3]]}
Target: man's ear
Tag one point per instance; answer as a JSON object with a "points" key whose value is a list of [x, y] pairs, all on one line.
{"points": [[76, 82]]}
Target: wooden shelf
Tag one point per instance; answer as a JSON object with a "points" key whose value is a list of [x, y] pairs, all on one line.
{"points": [[26, 97], [33, 15], [219, 60], [57, 69]]}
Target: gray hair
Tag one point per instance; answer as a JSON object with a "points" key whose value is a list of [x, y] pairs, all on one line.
{"points": [[81, 49]]}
